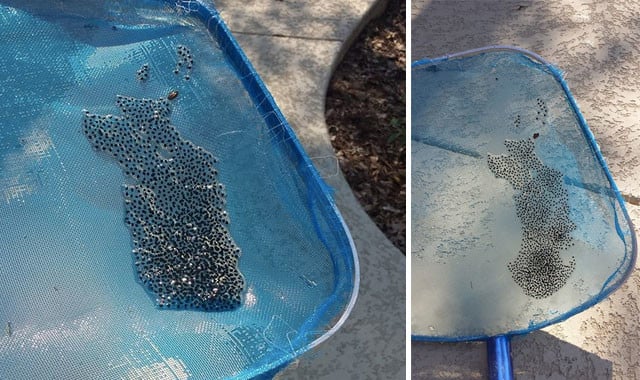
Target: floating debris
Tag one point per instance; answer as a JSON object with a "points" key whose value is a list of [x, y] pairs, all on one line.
{"points": [[310, 283], [183, 250], [542, 205]]}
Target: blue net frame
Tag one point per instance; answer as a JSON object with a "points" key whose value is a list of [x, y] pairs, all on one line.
{"points": [[627, 263]]}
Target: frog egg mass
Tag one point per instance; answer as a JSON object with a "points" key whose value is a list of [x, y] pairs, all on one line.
{"points": [[542, 205], [185, 60], [143, 73], [174, 207]]}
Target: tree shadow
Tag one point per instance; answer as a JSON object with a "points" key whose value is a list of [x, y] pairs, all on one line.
{"points": [[278, 22]]}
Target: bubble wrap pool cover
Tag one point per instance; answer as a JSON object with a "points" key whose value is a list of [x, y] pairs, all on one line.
{"points": [[516, 221], [158, 218]]}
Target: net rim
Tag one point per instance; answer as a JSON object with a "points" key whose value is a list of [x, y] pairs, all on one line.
{"points": [[620, 275]]}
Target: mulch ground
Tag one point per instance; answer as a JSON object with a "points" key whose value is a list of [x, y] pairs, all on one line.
{"points": [[365, 111]]}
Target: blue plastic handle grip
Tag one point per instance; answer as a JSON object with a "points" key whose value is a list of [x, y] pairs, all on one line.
{"points": [[499, 358]]}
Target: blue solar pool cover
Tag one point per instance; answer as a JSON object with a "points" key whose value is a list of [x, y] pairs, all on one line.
{"points": [[516, 220], [158, 217]]}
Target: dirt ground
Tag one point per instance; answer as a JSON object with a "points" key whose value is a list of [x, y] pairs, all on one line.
{"points": [[365, 111]]}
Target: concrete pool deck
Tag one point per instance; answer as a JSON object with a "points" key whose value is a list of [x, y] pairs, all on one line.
{"points": [[294, 46], [595, 43]]}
